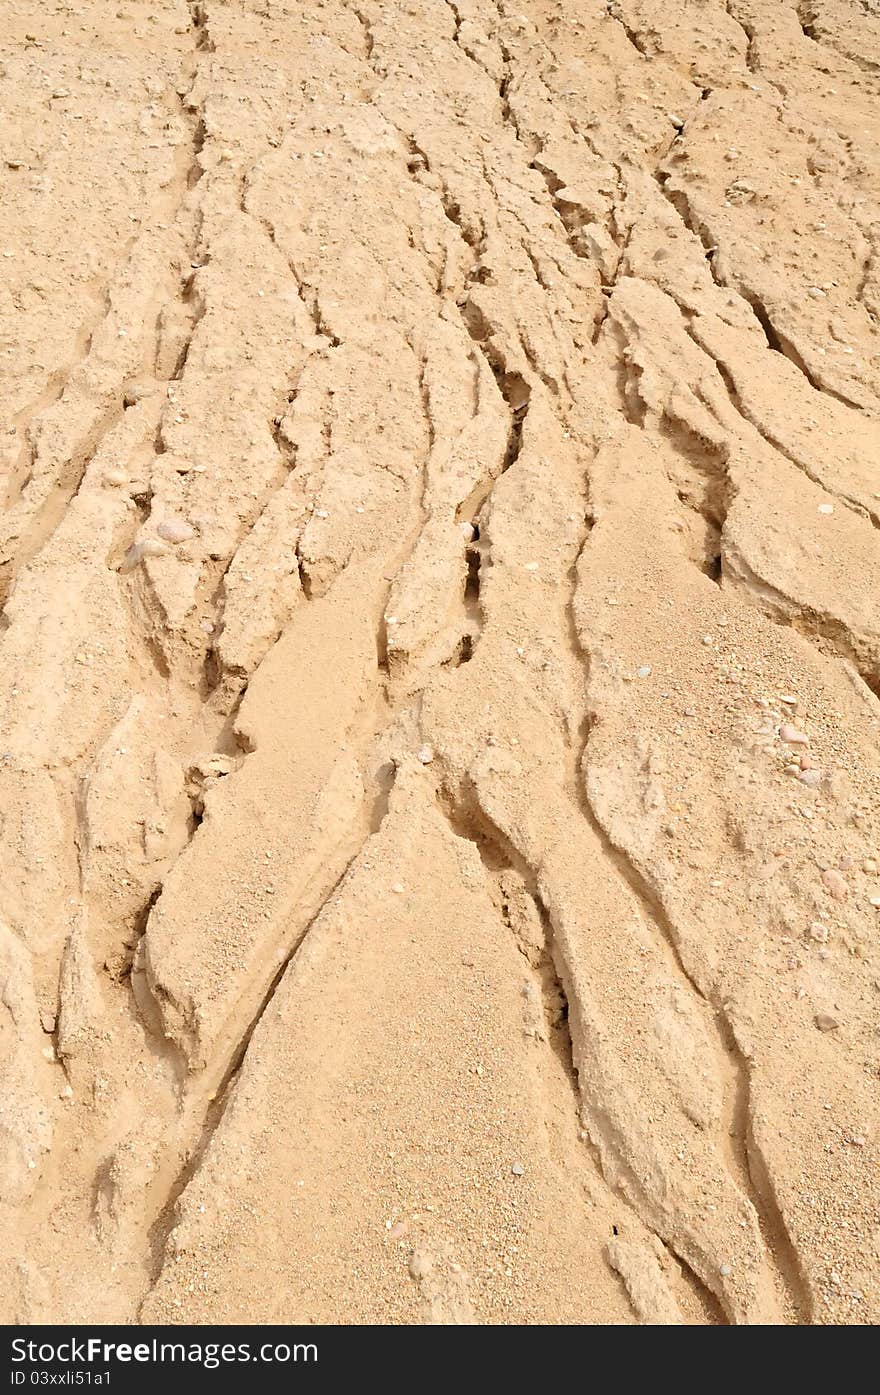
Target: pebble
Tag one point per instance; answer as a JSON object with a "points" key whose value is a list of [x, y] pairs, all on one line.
{"points": [[708, 639], [835, 883], [645, 671], [792, 736], [875, 902], [811, 778], [818, 932], [826, 508], [115, 477], [826, 1023], [788, 699], [47, 1022], [398, 888], [869, 866], [147, 547], [138, 388], [175, 530], [426, 754], [517, 1169], [397, 1230]]}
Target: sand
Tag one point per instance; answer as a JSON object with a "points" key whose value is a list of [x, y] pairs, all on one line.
{"points": [[439, 806]]}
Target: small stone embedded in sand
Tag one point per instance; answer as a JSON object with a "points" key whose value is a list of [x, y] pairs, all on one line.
{"points": [[825, 1022], [147, 547], [517, 1169], [175, 530], [397, 1230], [825, 508], [792, 736], [115, 477], [818, 932], [645, 671], [810, 778], [835, 884], [869, 866], [426, 754], [137, 389], [875, 902], [47, 1022], [518, 393], [398, 888]]}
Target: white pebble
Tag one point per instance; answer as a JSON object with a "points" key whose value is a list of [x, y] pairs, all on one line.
{"points": [[426, 754], [826, 508], [645, 671], [147, 547], [175, 530]]}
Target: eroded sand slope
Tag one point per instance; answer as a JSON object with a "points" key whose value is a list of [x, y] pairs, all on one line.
{"points": [[439, 815]]}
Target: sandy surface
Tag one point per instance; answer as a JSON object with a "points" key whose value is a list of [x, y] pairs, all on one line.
{"points": [[439, 809]]}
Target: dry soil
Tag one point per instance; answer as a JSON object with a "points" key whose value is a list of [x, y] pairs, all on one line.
{"points": [[439, 806]]}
